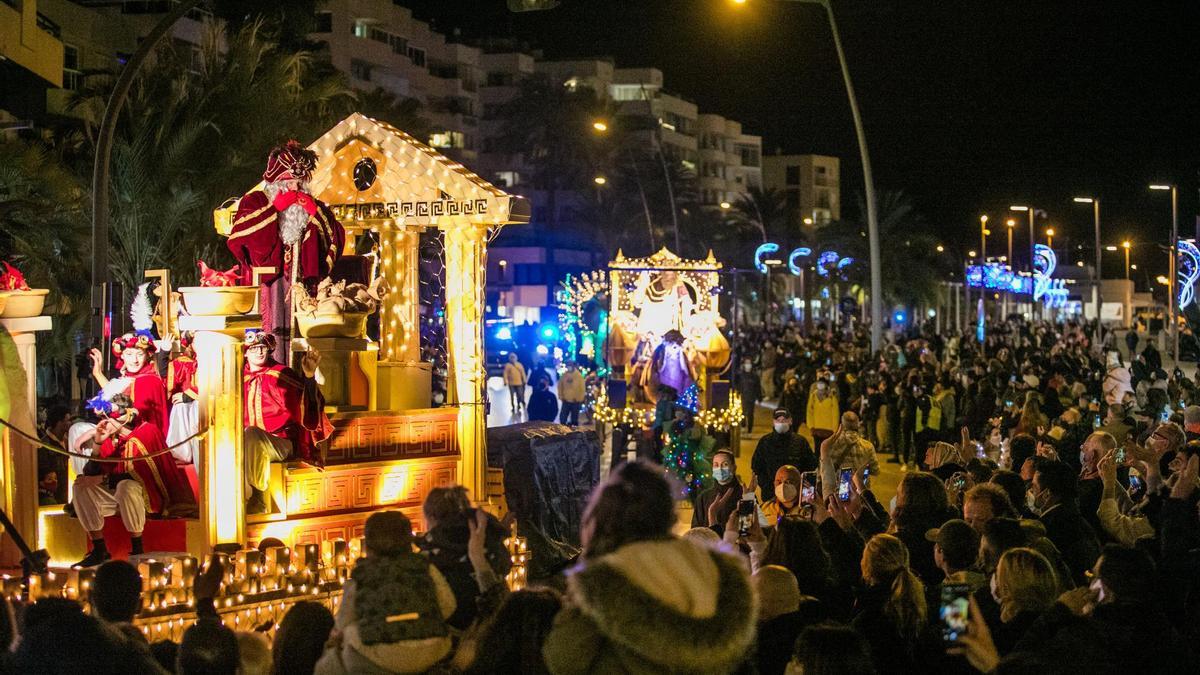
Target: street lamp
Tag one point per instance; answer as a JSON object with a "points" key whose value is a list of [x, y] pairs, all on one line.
{"points": [[940, 248], [983, 236], [599, 180], [971, 253], [868, 181], [1032, 212], [1096, 275], [1171, 269], [1050, 237], [600, 126], [1127, 245], [725, 206]]}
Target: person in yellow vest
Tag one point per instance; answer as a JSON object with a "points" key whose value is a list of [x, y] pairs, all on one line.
{"points": [[515, 379], [570, 395], [823, 409]]}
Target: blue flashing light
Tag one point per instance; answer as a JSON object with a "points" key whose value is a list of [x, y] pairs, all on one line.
{"points": [[898, 317]]}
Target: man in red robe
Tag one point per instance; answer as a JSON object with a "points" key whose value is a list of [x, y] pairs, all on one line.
{"points": [[131, 488], [273, 224], [139, 380], [283, 413]]}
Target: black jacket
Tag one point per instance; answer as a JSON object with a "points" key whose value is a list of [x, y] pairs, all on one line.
{"points": [[777, 637], [775, 450], [1074, 538]]}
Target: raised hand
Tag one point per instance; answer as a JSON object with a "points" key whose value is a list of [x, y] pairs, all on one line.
{"points": [[310, 361]]}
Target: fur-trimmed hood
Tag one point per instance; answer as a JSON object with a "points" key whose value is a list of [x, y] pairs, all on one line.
{"points": [[675, 604]]}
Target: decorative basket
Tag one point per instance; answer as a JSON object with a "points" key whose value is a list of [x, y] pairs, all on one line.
{"points": [[22, 304], [347, 324], [218, 300]]}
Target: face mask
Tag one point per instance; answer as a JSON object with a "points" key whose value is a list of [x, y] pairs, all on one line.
{"points": [[782, 427], [785, 492], [746, 367], [821, 388], [722, 474], [995, 595], [1098, 588]]}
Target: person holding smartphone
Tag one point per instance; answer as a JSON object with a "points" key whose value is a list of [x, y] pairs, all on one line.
{"points": [[847, 448]]}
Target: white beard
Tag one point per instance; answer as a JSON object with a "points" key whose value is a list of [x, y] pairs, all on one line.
{"points": [[293, 219]]}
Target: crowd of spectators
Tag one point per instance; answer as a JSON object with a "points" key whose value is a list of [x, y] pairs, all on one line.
{"points": [[1050, 485]]}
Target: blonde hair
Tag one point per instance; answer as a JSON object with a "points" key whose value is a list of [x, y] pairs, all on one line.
{"points": [[886, 558], [1025, 581]]}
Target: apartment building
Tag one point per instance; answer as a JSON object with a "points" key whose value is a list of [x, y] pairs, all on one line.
{"points": [[379, 43], [810, 185], [31, 62]]}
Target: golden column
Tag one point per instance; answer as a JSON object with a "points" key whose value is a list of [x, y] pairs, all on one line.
{"points": [[18, 405], [219, 380], [466, 261], [399, 339]]}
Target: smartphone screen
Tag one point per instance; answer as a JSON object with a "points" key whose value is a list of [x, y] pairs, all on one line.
{"points": [[808, 487], [956, 602], [1096, 421], [867, 477], [745, 516], [1136, 485], [843, 488]]}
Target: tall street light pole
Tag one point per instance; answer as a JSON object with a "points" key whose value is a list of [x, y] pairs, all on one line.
{"points": [[983, 254], [868, 183], [1096, 276], [1174, 256], [1009, 260], [1126, 245], [1031, 211]]}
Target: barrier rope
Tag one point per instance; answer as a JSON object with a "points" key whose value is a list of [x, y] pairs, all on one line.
{"points": [[107, 460]]}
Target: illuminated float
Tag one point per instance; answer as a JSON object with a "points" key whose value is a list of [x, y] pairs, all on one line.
{"points": [[664, 328], [389, 446]]}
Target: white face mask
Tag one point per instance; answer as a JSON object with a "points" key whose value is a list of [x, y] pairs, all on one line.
{"points": [[785, 492], [722, 474], [1031, 502], [1098, 587], [782, 427]]}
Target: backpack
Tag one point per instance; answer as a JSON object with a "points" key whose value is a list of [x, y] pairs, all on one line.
{"points": [[395, 599]]}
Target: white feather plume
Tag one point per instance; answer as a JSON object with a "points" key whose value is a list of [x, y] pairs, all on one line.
{"points": [[141, 313]]}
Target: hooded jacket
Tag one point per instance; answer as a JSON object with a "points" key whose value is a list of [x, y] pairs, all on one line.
{"points": [[667, 606]]}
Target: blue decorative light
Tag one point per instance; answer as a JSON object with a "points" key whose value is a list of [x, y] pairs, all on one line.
{"points": [[548, 332], [762, 251], [801, 252], [825, 261], [505, 333], [1050, 291], [1188, 271]]}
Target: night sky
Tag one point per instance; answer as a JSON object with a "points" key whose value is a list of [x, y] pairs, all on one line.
{"points": [[969, 106]]}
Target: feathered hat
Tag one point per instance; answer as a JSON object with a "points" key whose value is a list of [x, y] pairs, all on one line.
{"points": [[290, 161]]}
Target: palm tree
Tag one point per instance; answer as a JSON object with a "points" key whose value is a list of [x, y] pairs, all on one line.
{"points": [[764, 210]]}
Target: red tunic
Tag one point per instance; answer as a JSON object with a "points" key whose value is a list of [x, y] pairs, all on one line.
{"points": [[167, 487], [255, 240], [282, 403], [181, 377], [149, 396]]}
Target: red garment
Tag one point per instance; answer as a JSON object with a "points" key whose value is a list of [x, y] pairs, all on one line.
{"points": [[181, 377], [281, 402], [167, 489], [255, 240], [149, 396]]}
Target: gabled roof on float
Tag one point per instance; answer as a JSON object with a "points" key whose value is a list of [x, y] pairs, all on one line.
{"points": [[372, 174], [664, 259]]}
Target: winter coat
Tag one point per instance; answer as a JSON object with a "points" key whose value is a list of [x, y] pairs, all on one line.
{"points": [[823, 414], [668, 606], [404, 656]]}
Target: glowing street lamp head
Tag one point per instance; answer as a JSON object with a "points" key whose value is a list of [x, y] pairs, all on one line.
{"points": [[600, 180], [971, 254], [726, 205], [940, 248], [1084, 200], [1018, 207], [1157, 186], [1126, 244], [600, 125], [1110, 248], [983, 218], [808, 221], [1010, 222], [1049, 231]]}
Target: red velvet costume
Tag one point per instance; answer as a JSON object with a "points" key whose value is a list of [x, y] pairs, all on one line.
{"points": [[149, 396], [181, 377], [167, 488], [255, 241], [281, 402]]}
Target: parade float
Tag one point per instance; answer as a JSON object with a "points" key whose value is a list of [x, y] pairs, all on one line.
{"points": [[397, 199], [656, 332]]}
